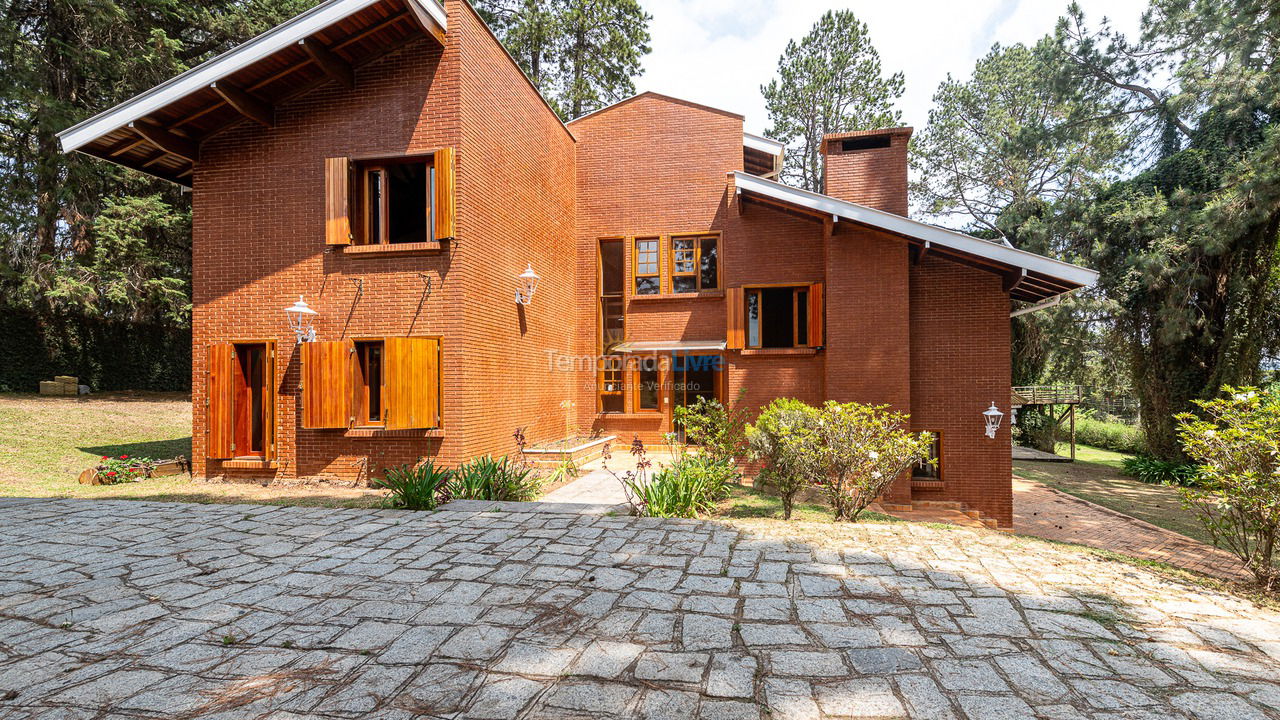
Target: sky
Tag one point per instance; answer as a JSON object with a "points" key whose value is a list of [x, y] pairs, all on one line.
{"points": [[719, 52]]}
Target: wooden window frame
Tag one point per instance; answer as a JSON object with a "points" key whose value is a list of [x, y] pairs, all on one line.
{"points": [[360, 383], [364, 169], [696, 273], [636, 275], [941, 465], [226, 394], [663, 369], [812, 290]]}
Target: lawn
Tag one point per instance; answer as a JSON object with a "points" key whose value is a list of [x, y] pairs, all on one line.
{"points": [[45, 442], [1095, 476]]}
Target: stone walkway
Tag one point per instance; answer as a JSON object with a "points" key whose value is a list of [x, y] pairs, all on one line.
{"points": [[1044, 512], [175, 611]]}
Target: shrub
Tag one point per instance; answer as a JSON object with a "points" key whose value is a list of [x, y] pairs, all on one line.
{"points": [[721, 433], [416, 487], [486, 478], [863, 449], [1113, 436], [785, 438], [692, 485], [1159, 472], [1237, 497]]}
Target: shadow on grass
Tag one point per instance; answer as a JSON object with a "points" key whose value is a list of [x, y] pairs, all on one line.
{"points": [[154, 449]]}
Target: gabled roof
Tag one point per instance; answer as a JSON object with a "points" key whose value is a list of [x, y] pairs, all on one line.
{"points": [[652, 94], [159, 131], [1029, 276]]}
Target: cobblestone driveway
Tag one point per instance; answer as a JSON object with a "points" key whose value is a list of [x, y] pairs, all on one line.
{"points": [[131, 609]]}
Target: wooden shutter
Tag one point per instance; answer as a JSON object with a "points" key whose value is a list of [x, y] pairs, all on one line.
{"points": [[220, 371], [446, 206], [734, 323], [269, 400], [815, 315], [327, 384], [411, 393], [337, 201]]}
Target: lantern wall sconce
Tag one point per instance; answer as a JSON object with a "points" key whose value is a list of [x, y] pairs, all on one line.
{"points": [[302, 320], [992, 417], [528, 285]]}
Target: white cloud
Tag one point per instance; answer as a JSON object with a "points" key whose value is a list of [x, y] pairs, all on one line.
{"points": [[719, 52]]}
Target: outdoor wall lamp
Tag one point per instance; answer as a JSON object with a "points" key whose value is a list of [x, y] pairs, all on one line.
{"points": [[992, 416], [528, 285], [302, 320]]}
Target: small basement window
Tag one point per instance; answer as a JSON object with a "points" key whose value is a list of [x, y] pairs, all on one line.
{"points": [[398, 201], [931, 470]]}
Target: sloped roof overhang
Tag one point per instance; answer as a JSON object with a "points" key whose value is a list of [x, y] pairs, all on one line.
{"points": [[159, 131], [1028, 277]]}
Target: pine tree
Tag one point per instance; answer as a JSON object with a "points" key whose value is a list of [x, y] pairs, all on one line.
{"points": [[828, 82]]}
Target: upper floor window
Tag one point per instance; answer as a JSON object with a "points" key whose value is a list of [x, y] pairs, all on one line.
{"points": [[390, 201], [647, 254], [397, 201], [675, 264], [774, 316]]}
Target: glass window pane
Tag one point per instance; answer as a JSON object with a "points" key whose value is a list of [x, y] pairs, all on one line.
{"points": [[753, 319], [611, 268], [647, 398], [684, 284], [683, 255], [709, 270], [647, 285], [374, 199]]}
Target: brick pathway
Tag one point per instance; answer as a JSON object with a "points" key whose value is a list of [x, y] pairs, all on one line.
{"points": [[1048, 513], [174, 611]]}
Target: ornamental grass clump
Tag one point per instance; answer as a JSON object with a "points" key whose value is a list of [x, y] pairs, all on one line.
{"points": [[496, 479], [1237, 494], [692, 485], [416, 487]]}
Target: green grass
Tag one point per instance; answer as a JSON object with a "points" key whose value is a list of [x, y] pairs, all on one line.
{"points": [[1098, 456], [46, 441], [746, 502]]}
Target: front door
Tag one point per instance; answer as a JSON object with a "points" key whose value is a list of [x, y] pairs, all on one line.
{"points": [[695, 376]]}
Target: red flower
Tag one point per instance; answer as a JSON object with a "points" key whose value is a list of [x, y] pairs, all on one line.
{"points": [[111, 473], [124, 457], [104, 457]]}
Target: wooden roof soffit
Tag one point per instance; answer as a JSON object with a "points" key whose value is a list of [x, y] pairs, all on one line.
{"points": [[260, 111], [332, 65], [166, 141]]}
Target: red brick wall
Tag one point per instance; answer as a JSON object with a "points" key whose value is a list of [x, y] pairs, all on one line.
{"points": [[874, 177], [258, 241], [959, 366]]}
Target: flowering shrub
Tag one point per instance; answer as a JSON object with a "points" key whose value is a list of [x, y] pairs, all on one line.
{"points": [[785, 438], [1237, 496], [125, 468], [863, 449]]}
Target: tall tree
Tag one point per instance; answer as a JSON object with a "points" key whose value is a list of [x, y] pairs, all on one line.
{"points": [[582, 54], [1188, 248], [828, 82], [999, 151]]}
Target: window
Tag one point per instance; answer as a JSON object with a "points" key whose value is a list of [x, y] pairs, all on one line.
{"points": [[648, 376], [693, 263], [612, 278], [932, 470], [777, 317], [240, 401], [391, 201], [398, 201], [392, 383], [774, 316], [369, 383], [647, 276]]}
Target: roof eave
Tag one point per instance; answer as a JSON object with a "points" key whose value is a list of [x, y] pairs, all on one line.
{"points": [[1066, 272], [428, 12]]}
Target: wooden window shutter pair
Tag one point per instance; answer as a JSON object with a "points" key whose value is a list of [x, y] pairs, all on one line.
{"points": [[411, 388], [220, 410], [339, 184]]}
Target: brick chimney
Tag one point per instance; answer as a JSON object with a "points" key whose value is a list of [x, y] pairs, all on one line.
{"points": [[868, 167]]}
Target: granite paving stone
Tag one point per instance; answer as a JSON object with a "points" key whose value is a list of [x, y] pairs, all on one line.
{"points": [[167, 611]]}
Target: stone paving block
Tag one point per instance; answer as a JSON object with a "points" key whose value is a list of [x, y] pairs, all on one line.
{"points": [[606, 658], [883, 660], [732, 675], [668, 705], [678, 667], [503, 696], [728, 710], [807, 663], [974, 675], [1216, 706], [481, 642], [706, 632], [523, 658], [923, 697], [440, 689], [596, 697], [369, 635], [863, 697], [415, 646]]}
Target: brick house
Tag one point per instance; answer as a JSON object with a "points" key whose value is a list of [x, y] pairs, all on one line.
{"points": [[387, 161]]}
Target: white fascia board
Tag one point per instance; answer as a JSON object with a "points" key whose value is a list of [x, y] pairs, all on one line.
{"points": [[914, 228], [271, 41], [761, 143]]}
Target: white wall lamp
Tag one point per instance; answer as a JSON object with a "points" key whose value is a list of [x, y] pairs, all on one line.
{"points": [[992, 416], [528, 285], [302, 320]]}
